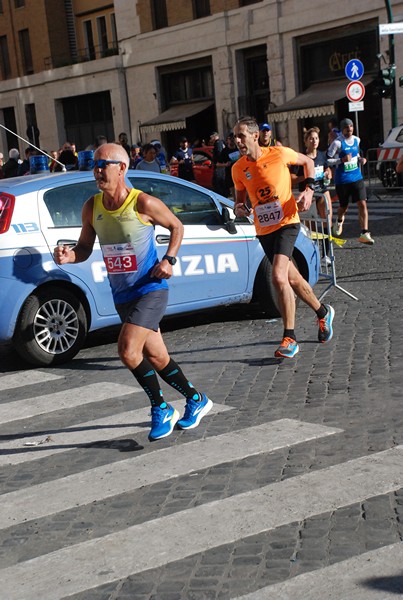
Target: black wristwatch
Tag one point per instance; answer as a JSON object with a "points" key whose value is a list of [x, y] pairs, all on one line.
{"points": [[171, 259], [310, 186]]}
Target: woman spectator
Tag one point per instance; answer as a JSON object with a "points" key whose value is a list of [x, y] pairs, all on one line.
{"points": [[323, 175], [149, 162]]}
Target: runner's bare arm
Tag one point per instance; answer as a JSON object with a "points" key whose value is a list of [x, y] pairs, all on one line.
{"points": [[304, 200], [240, 208], [154, 211]]}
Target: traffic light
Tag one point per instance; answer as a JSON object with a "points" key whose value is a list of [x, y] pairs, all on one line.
{"points": [[385, 81]]}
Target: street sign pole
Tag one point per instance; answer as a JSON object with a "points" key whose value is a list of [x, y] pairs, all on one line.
{"points": [[357, 129], [355, 92], [393, 104]]}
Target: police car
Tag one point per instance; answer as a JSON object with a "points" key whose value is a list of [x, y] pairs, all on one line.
{"points": [[48, 309], [388, 154]]}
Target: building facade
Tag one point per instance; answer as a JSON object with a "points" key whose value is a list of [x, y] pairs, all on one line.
{"points": [[158, 69]]}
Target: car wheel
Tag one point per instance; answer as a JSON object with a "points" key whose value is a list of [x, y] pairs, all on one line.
{"points": [[264, 291], [388, 175], [51, 328]]}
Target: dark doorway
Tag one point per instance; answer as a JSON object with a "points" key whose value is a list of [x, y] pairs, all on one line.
{"points": [[87, 116], [10, 123]]}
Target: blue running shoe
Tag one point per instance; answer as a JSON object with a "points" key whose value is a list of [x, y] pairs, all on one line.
{"points": [[162, 421], [325, 332], [194, 412], [287, 349]]}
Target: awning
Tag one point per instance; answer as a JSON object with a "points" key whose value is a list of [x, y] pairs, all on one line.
{"points": [[316, 101], [175, 117]]}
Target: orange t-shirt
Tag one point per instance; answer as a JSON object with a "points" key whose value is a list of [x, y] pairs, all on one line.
{"points": [[268, 184]]}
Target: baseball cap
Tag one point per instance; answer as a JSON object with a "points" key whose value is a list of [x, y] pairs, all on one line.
{"points": [[264, 127], [345, 123], [183, 139]]}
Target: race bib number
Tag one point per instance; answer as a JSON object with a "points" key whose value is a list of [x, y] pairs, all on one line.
{"points": [[319, 173], [119, 258], [269, 214], [351, 165]]}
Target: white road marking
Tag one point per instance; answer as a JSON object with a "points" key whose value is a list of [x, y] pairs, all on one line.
{"points": [[155, 543], [23, 378], [15, 451], [371, 576], [32, 407], [131, 474]]}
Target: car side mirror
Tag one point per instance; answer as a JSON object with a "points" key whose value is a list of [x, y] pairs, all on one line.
{"points": [[228, 222]]}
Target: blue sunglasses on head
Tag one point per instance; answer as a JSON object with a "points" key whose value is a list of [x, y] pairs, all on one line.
{"points": [[101, 163]]}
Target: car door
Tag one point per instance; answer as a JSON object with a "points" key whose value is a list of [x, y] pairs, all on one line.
{"points": [[60, 208], [213, 264]]}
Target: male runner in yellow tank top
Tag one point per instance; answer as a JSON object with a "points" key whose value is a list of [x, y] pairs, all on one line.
{"points": [[263, 175], [123, 219]]}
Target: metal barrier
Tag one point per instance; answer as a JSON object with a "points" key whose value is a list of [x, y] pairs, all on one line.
{"points": [[321, 229], [380, 170]]}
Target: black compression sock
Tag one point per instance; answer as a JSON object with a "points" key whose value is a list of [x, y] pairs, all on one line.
{"points": [[147, 378], [290, 333], [173, 375], [321, 312]]}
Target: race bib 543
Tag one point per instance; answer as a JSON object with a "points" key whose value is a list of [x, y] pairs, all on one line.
{"points": [[119, 258]]}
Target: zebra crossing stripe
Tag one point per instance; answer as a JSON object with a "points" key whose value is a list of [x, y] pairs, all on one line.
{"points": [[374, 575], [16, 380], [69, 398], [27, 446], [127, 475], [157, 542]]}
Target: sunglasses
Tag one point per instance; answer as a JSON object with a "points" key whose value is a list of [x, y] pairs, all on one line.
{"points": [[101, 163]]}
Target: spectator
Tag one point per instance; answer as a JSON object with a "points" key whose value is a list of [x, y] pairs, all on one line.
{"points": [[161, 156], [149, 162], [333, 130], [10, 168], [229, 155], [265, 136], [219, 171], [1, 165], [52, 163], [67, 158], [135, 156], [123, 141], [100, 140], [199, 143], [184, 158], [24, 168]]}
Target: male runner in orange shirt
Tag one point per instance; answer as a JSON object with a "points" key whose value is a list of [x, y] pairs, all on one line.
{"points": [[263, 175]]}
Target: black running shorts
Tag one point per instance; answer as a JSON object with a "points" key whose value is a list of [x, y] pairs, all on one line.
{"points": [[281, 241], [146, 311], [353, 192]]}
